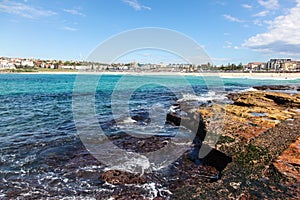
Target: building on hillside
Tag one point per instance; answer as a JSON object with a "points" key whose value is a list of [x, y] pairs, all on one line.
{"points": [[27, 63], [5, 64]]}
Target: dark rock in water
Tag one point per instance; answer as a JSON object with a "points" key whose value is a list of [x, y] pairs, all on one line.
{"points": [[195, 123], [65, 151], [172, 118], [192, 120], [277, 87], [140, 145], [141, 117]]}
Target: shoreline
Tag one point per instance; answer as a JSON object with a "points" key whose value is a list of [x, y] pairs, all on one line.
{"points": [[281, 76]]}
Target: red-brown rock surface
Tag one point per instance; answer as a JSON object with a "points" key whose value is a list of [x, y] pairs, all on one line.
{"points": [[288, 162], [252, 113]]}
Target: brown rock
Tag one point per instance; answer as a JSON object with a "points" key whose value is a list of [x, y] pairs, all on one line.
{"points": [[288, 163], [252, 113], [117, 177]]}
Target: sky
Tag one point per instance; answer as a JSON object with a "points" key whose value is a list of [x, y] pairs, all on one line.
{"points": [[229, 31]]}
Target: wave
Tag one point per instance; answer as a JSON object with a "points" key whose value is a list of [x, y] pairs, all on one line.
{"points": [[204, 98], [251, 89]]}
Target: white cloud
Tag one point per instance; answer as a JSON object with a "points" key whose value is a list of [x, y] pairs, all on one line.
{"points": [[227, 45], [74, 12], [233, 19], [247, 6], [136, 5], [261, 14], [283, 35], [269, 4], [68, 28], [257, 22], [24, 10]]}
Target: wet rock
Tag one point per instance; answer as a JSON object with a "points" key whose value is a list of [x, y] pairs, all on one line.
{"points": [[141, 117], [174, 119], [277, 87], [140, 145], [188, 117], [117, 177], [193, 120]]}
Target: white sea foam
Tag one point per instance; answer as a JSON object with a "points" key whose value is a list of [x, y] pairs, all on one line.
{"points": [[208, 97], [154, 190], [132, 164], [173, 109], [248, 90], [127, 120]]}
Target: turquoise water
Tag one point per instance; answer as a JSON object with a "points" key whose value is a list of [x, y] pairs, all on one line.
{"points": [[29, 84], [37, 118]]}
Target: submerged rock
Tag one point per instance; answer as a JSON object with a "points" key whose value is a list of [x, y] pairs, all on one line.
{"points": [[277, 87]]}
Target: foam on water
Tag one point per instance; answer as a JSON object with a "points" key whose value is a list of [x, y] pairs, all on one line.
{"points": [[251, 89], [133, 165], [203, 98]]}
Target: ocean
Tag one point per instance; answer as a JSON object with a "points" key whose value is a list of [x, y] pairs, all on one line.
{"points": [[41, 154]]}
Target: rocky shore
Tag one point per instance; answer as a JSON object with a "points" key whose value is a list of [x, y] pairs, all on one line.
{"points": [[256, 157], [261, 134]]}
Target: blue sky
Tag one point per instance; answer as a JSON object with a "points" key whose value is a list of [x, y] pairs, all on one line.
{"points": [[229, 30]]}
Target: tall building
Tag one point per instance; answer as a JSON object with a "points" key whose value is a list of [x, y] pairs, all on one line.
{"points": [[277, 64]]}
